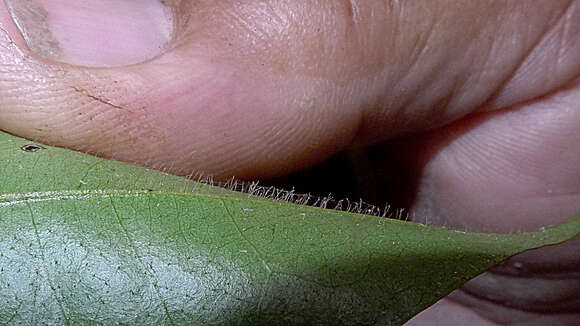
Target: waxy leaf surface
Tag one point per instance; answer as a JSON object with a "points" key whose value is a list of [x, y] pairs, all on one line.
{"points": [[90, 241]]}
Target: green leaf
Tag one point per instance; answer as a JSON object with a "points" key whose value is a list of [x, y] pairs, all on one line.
{"points": [[90, 241]]}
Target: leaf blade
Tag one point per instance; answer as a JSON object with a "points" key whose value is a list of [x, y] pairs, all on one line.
{"points": [[127, 245]]}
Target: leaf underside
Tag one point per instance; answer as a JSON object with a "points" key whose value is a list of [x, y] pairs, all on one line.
{"points": [[85, 240]]}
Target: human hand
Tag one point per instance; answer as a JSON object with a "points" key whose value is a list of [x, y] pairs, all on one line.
{"points": [[478, 100]]}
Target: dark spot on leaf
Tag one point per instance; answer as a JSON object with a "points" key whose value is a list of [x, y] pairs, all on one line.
{"points": [[31, 148]]}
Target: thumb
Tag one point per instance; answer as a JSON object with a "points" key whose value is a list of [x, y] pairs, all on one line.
{"points": [[120, 79], [257, 89]]}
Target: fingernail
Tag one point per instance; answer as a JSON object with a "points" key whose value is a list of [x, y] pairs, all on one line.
{"points": [[96, 33]]}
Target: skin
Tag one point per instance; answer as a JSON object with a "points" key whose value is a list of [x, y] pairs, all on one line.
{"points": [[477, 101]]}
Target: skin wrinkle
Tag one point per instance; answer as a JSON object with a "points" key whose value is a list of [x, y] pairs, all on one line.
{"points": [[482, 98], [450, 101], [567, 300], [96, 98], [560, 272], [516, 68], [536, 66], [53, 75], [471, 83], [458, 297], [501, 314], [564, 19], [429, 76], [566, 33]]}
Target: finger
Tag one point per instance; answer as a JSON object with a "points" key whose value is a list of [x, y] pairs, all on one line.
{"points": [[190, 108], [256, 89], [523, 162], [508, 171]]}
